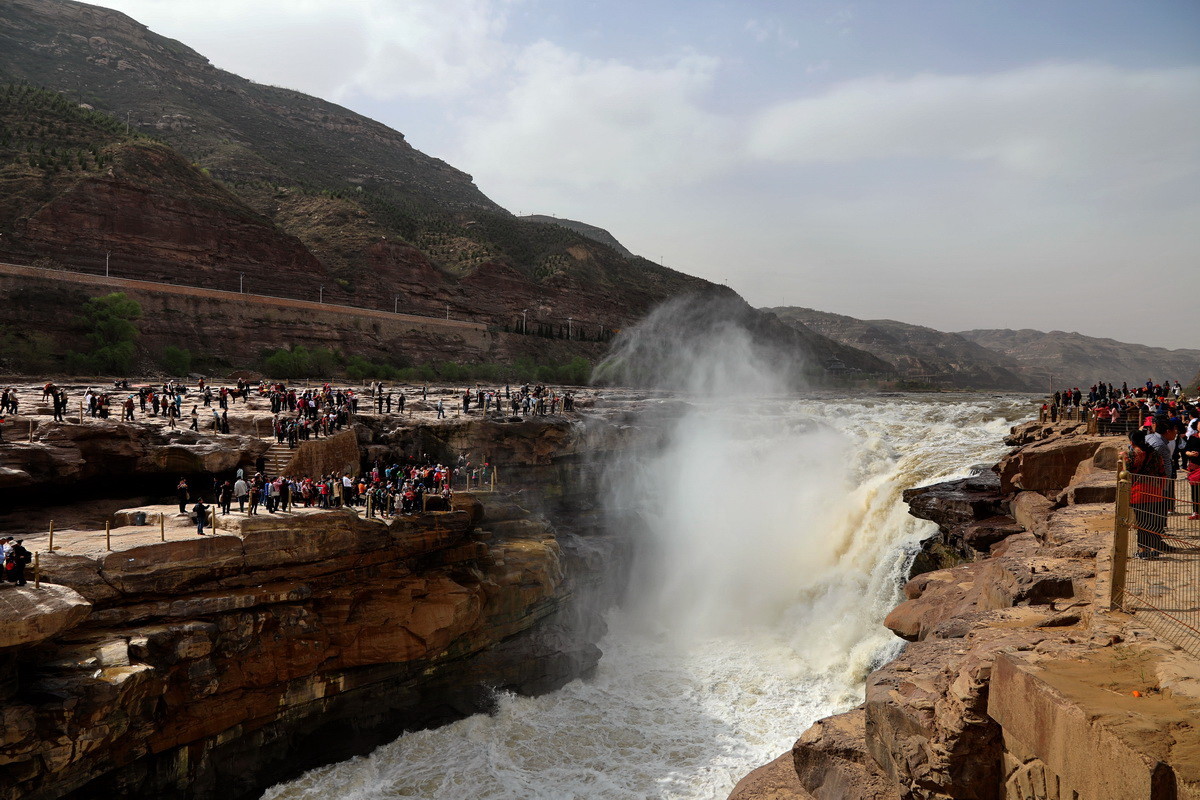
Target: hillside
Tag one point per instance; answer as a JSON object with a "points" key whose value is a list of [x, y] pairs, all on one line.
{"points": [[590, 231], [1077, 360], [121, 149], [382, 223], [916, 352]]}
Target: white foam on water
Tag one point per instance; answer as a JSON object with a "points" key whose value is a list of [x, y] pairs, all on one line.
{"points": [[780, 542]]}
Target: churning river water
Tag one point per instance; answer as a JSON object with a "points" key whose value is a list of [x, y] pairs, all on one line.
{"points": [[779, 543]]}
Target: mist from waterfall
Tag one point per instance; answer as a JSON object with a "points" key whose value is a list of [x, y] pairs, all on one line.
{"points": [[773, 542]]}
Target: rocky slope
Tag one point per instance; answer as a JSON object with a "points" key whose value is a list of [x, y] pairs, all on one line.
{"points": [[915, 352], [1017, 682], [230, 124], [590, 231], [349, 194]]}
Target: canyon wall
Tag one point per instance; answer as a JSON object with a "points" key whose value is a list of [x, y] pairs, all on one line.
{"points": [[216, 666]]}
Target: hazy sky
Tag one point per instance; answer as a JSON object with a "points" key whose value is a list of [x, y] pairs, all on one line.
{"points": [[957, 164]]}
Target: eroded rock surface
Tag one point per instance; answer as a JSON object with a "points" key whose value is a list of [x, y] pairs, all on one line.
{"points": [[1018, 681]]}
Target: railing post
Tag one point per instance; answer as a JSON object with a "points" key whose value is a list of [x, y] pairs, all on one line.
{"points": [[108, 535], [162, 527], [37, 570], [1120, 557], [51, 536]]}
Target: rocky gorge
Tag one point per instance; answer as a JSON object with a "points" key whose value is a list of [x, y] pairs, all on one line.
{"points": [[1020, 679], [168, 665]]}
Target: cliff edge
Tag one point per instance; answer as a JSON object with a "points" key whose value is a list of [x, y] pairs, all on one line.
{"points": [[1020, 679]]}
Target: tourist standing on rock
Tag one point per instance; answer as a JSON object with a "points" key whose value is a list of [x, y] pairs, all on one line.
{"points": [[441, 409], [1163, 442], [1149, 510], [241, 490], [20, 559], [1191, 462], [226, 497], [181, 494], [201, 512]]}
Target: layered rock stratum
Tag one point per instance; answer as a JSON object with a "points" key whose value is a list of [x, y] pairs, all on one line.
{"points": [[150, 662]]}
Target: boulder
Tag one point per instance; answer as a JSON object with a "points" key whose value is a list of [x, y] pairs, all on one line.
{"points": [[33, 615], [982, 534], [832, 761], [774, 781], [952, 503], [1046, 466]]}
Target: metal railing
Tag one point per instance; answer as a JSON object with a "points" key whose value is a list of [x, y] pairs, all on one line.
{"points": [[1064, 414], [1122, 425], [1156, 555]]}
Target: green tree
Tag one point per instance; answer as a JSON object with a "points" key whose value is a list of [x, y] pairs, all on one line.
{"points": [[177, 361], [111, 331]]}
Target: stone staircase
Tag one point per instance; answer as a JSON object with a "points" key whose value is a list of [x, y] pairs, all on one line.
{"points": [[276, 459]]}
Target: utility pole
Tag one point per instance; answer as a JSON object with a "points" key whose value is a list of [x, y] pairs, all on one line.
{"points": [[241, 283], [126, 123], [447, 311], [321, 294], [396, 307], [524, 330], [568, 327], [106, 256]]}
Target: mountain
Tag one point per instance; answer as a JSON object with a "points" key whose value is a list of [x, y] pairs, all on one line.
{"points": [[238, 129], [590, 231], [915, 352], [125, 151], [1072, 359], [380, 223]]}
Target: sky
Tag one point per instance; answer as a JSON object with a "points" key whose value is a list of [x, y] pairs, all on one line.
{"points": [[952, 163]]}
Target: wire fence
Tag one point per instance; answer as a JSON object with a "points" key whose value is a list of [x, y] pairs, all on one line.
{"points": [[1115, 422], [1156, 554]]}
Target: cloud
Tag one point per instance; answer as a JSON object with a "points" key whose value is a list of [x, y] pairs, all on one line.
{"points": [[1057, 120], [378, 48], [765, 31], [584, 122]]}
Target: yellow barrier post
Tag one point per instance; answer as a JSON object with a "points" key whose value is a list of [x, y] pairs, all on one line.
{"points": [[213, 519], [493, 479], [108, 534], [51, 536], [1120, 537], [37, 571]]}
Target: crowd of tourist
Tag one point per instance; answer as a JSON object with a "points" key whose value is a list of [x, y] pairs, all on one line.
{"points": [[1164, 445], [383, 491], [313, 411], [1118, 410]]}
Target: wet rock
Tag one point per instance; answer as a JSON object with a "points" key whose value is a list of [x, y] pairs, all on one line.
{"points": [[832, 761], [774, 781], [953, 503]]}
